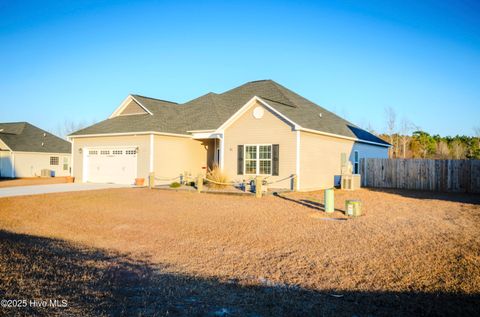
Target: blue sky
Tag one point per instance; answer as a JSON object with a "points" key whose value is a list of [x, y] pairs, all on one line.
{"points": [[77, 60]]}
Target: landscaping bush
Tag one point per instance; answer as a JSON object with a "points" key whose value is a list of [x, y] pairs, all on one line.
{"points": [[215, 174], [175, 185]]}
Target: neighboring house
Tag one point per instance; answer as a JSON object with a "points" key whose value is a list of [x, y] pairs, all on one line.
{"points": [[25, 150], [260, 127]]}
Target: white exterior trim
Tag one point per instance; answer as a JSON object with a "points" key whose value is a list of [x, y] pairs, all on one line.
{"points": [[200, 131], [297, 163], [124, 104], [151, 153], [84, 165], [12, 155], [129, 133], [343, 137], [222, 153], [71, 158], [244, 109]]}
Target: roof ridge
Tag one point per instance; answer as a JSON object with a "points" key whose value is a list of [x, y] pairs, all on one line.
{"points": [[279, 88], [173, 102]]}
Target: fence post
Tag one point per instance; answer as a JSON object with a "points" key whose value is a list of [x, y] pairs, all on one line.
{"points": [[258, 186], [294, 182], [151, 180], [199, 183]]}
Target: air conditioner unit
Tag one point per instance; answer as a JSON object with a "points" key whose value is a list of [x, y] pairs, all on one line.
{"points": [[350, 181], [46, 173]]}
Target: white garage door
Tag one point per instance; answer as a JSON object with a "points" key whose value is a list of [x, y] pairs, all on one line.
{"points": [[111, 165]]}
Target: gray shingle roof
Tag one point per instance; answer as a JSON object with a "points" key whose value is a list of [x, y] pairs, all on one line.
{"points": [[25, 137], [210, 111]]}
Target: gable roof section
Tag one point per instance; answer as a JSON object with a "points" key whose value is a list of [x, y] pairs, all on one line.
{"points": [[210, 111], [25, 137]]}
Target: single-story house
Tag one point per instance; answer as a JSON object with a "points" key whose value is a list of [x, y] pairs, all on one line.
{"points": [[259, 128], [26, 150]]}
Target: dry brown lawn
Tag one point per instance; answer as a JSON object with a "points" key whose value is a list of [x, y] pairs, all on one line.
{"points": [[152, 252], [7, 182]]}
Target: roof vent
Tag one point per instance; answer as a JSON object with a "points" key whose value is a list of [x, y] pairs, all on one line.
{"points": [[44, 134], [320, 114], [42, 143]]}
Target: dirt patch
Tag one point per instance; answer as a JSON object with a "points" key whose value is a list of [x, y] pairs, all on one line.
{"points": [[411, 253], [8, 182]]}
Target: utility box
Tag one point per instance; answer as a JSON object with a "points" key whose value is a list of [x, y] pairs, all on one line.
{"points": [[353, 208], [329, 200]]}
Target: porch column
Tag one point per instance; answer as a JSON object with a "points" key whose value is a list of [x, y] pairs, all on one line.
{"points": [[151, 154], [222, 152]]}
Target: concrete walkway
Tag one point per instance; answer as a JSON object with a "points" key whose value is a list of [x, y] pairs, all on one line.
{"points": [[54, 188]]}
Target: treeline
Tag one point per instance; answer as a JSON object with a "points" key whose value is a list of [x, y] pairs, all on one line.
{"points": [[420, 144], [409, 141]]}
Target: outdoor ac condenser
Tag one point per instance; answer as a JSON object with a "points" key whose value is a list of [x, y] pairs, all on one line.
{"points": [[46, 173]]}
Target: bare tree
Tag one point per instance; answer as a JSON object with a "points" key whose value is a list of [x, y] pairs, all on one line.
{"points": [[406, 128], [442, 150], [458, 150], [391, 118], [69, 126]]}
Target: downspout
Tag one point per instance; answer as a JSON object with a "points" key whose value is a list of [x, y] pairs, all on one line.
{"points": [[297, 166], [13, 163]]}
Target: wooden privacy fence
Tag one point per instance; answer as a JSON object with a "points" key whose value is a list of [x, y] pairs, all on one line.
{"points": [[434, 175]]}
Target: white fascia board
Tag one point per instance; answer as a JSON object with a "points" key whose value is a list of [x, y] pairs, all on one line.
{"points": [[207, 136], [343, 137], [130, 133], [124, 104], [201, 131], [42, 153], [244, 109]]}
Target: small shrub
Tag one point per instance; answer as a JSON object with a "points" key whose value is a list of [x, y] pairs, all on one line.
{"points": [[175, 185], [215, 174]]}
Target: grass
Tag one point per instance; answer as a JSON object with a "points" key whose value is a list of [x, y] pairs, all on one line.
{"points": [[183, 253], [215, 174]]}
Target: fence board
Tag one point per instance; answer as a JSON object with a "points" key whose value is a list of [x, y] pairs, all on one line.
{"points": [[434, 175]]}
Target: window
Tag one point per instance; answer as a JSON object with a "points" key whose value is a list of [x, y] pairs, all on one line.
{"points": [[65, 163], [53, 160], [131, 152], [258, 159], [105, 152], [92, 152], [356, 164], [117, 152], [251, 159]]}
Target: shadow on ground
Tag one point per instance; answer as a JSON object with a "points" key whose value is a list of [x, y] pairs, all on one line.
{"points": [[422, 194], [96, 282], [316, 205]]}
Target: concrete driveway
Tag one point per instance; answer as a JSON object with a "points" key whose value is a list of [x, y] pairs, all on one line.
{"points": [[54, 188]]}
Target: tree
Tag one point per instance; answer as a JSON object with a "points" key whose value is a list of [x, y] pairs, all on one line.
{"points": [[391, 118], [405, 128], [458, 150], [69, 126], [423, 144], [442, 151]]}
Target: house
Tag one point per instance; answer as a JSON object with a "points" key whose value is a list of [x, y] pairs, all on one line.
{"points": [[25, 150], [259, 128]]}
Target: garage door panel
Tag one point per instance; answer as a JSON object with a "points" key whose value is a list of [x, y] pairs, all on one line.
{"points": [[112, 165]]}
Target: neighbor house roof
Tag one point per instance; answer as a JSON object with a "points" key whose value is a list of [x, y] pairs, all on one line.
{"points": [[210, 111], [25, 137]]}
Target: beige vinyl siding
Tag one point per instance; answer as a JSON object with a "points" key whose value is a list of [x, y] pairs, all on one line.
{"points": [[320, 159], [133, 108], [175, 155], [140, 141], [30, 164], [270, 129]]}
